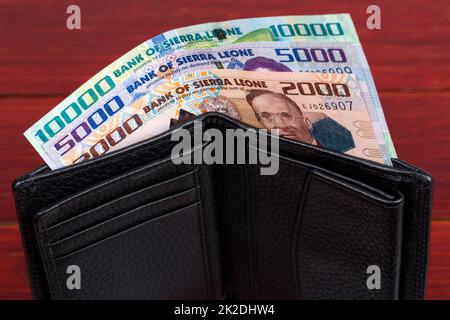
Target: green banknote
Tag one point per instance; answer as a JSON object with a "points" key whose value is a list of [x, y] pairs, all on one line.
{"points": [[91, 109]]}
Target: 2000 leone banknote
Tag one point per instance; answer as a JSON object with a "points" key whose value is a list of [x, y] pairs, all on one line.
{"points": [[301, 106], [48, 134]]}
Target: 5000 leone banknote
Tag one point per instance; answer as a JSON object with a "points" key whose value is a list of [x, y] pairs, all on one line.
{"points": [[301, 106]]}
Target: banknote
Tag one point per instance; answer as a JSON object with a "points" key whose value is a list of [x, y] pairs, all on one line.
{"points": [[330, 58], [304, 106], [47, 133]]}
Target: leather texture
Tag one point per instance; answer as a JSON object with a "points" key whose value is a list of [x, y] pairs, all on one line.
{"points": [[141, 227]]}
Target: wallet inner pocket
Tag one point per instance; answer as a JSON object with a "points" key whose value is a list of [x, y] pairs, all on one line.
{"points": [[276, 227], [158, 258], [342, 232], [118, 223], [119, 205]]}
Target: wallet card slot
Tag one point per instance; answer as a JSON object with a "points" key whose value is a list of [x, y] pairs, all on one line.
{"points": [[105, 191], [342, 231], [160, 258], [121, 222], [117, 206]]}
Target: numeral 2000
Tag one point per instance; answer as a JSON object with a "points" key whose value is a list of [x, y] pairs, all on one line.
{"points": [[112, 138], [317, 88]]}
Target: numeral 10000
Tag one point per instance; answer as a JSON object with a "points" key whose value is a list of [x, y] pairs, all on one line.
{"points": [[75, 109], [303, 29]]}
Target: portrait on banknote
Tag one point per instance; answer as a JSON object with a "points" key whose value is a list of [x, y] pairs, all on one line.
{"points": [[265, 64], [275, 110]]}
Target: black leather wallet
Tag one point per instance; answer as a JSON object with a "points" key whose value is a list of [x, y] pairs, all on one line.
{"points": [[139, 226]]}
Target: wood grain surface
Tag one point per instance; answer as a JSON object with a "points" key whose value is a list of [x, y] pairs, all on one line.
{"points": [[42, 62]]}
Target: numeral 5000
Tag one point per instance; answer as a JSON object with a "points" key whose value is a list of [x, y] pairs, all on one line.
{"points": [[314, 54]]}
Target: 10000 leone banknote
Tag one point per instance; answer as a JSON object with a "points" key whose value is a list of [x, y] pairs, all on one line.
{"points": [[48, 134]]}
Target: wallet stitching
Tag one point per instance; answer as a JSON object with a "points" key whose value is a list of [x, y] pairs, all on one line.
{"points": [[249, 234], [55, 273], [50, 262], [397, 229], [395, 221], [426, 201], [296, 233], [416, 258], [426, 198], [205, 256], [420, 249], [30, 246], [417, 280]]}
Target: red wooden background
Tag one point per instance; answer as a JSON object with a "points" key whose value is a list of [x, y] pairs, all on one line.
{"points": [[42, 62]]}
